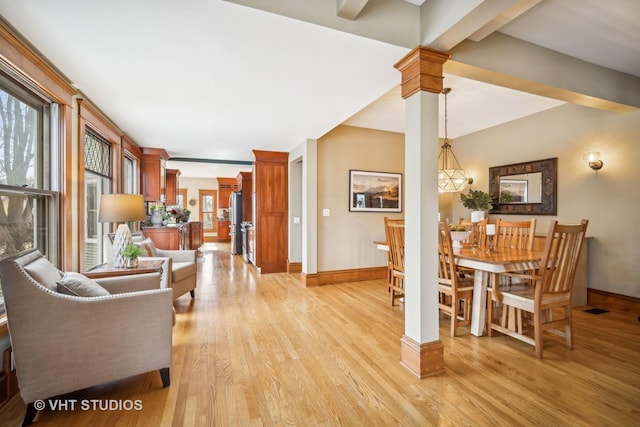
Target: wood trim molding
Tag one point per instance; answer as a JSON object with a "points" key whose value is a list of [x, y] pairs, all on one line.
{"points": [[421, 69], [294, 267], [23, 58], [341, 276], [422, 360], [309, 280], [270, 156], [604, 299]]}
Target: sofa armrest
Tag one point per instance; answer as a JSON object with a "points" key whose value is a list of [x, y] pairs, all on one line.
{"points": [[167, 267], [186, 255], [132, 283]]}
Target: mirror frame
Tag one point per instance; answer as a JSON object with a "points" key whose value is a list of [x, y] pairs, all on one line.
{"points": [[549, 196]]}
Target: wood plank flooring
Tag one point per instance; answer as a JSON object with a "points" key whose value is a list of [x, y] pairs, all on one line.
{"points": [[261, 350]]}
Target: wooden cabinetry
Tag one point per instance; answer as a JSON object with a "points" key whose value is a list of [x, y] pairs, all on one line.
{"points": [[223, 230], [154, 174], [172, 185], [245, 184], [270, 187], [196, 235], [225, 187], [169, 237]]}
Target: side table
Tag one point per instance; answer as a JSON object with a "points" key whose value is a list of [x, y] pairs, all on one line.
{"points": [[108, 270]]}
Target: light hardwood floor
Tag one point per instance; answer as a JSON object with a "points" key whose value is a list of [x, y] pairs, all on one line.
{"points": [[263, 350]]}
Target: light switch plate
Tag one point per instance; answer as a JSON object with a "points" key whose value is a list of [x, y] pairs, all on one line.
{"points": [[326, 212]]}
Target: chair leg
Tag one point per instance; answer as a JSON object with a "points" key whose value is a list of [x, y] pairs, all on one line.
{"points": [[454, 314], [164, 374], [489, 314], [193, 293], [567, 329], [30, 415], [537, 333]]}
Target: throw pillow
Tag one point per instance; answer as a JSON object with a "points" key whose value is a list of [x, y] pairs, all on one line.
{"points": [[80, 285], [148, 246]]}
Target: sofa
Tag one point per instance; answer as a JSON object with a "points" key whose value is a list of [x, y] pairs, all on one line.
{"points": [[69, 332]]}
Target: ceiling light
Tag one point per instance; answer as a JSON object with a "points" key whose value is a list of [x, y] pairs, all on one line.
{"points": [[451, 176]]}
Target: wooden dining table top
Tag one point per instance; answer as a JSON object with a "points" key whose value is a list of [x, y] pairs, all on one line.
{"points": [[498, 255]]}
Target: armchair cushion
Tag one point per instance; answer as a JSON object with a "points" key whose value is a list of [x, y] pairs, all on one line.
{"points": [[182, 270], [79, 285], [43, 272]]}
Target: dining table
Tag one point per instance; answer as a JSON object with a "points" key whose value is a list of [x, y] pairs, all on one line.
{"points": [[487, 265]]}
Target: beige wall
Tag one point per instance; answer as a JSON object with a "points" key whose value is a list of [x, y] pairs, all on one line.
{"points": [[345, 239], [193, 185], [610, 199]]}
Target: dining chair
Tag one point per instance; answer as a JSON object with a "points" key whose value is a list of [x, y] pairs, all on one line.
{"points": [[481, 230], [389, 268], [455, 291], [548, 301], [514, 234], [395, 238]]}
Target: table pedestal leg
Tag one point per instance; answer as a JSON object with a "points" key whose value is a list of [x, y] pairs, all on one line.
{"points": [[479, 312]]}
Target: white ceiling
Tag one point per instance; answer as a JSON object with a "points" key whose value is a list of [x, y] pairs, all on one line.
{"points": [[213, 80]]}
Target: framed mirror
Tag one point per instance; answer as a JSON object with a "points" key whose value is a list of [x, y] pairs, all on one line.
{"points": [[527, 188]]}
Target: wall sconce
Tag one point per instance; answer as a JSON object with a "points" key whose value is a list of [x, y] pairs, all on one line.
{"points": [[594, 160]]}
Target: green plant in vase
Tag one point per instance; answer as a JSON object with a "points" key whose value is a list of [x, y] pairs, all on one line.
{"points": [[131, 253], [477, 200]]}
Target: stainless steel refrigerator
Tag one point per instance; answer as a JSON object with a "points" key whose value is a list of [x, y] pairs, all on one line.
{"points": [[235, 214]]}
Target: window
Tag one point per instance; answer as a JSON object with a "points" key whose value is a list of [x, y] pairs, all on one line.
{"points": [[97, 181], [28, 150], [208, 209]]}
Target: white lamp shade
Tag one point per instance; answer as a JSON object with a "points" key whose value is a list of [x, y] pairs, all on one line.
{"points": [[121, 208]]}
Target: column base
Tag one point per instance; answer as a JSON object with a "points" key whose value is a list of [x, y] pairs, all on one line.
{"points": [[422, 360]]}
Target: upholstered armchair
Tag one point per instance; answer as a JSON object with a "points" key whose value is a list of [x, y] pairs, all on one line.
{"points": [[179, 267], [62, 342], [179, 272]]}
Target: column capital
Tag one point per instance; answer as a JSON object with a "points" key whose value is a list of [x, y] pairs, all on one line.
{"points": [[422, 70]]}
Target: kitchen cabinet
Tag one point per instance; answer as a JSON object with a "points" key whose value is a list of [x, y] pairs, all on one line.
{"points": [[223, 230], [154, 174], [245, 184], [173, 238], [225, 187], [270, 212], [172, 178], [196, 236]]}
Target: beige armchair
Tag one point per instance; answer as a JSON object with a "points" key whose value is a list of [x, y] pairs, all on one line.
{"points": [[63, 343], [179, 270]]}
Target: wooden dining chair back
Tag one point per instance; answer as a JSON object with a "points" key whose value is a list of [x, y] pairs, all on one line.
{"points": [[515, 234], [481, 230], [395, 239], [549, 300], [455, 292]]}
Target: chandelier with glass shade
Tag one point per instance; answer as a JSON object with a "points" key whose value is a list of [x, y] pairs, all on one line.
{"points": [[451, 176]]}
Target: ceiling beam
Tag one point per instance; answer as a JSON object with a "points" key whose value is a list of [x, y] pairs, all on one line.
{"points": [[503, 19], [350, 9], [445, 24], [544, 72]]}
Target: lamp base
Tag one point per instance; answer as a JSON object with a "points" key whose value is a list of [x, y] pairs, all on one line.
{"points": [[121, 240]]}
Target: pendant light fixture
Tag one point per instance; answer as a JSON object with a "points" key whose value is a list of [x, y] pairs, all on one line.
{"points": [[451, 176]]}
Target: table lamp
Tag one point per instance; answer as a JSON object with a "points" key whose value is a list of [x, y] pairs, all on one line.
{"points": [[121, 208]]}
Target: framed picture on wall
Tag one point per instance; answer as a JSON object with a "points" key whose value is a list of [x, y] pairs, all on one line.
{"points": [[375, 191]]}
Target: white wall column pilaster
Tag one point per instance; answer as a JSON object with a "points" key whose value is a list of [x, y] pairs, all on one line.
{"points": [[421, 348]]}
